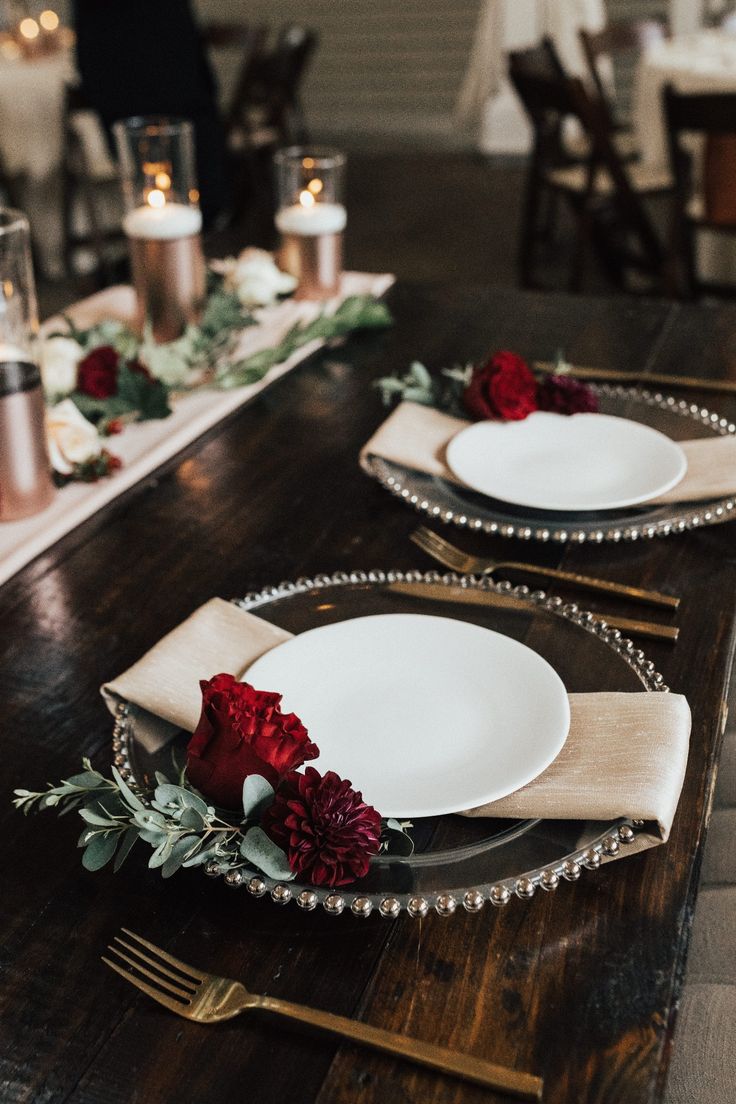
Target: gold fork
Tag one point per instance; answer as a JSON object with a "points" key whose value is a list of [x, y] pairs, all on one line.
{"points": [[208, 998], [457, 560]]}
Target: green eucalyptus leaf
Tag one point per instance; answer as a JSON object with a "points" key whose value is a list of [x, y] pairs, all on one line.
{"points": [[130, 798], [257, 793], [161, 779], [88, 780], [99, 850], [192, 818], [162, 853], [176, 857], [129, 838], [91, 816], [257, 848]]}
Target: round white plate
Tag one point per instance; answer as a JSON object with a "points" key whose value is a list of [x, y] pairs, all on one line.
{"points": [[555, 462], [424, 715]]}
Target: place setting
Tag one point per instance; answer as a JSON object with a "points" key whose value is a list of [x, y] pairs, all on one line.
{"points": [[549, 456], [455, 749]]}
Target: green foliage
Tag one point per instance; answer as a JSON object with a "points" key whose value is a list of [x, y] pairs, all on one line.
{"points": [[359, 312], [418, 385], [177, 823]]}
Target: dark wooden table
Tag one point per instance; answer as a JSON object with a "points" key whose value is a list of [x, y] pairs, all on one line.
{"points": [[580, 986]]}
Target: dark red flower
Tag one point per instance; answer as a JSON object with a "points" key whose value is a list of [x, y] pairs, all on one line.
{"points": [[242, 731], [97, 374], [324, 826], [564, 395], [503, 389]]}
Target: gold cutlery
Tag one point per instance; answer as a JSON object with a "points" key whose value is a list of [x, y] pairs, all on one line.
{"points": [[457, 560], [618, 375], [439, 592], [207, 998]]}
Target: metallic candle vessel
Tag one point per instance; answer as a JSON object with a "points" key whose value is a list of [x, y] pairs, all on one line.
{"points": [[311, 219], [168, 277], [162, 222], [26, 485]]}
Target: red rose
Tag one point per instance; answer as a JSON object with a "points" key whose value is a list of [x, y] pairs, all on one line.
{"points": [[324, 826], [97, 374], [242, 731], [564, 395], [503, 389]]}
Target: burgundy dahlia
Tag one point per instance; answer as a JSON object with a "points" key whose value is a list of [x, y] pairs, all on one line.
{"points": [[324, 826], [564, 395]]}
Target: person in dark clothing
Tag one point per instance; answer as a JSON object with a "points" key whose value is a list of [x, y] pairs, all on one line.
{"points": [[146, 57]]}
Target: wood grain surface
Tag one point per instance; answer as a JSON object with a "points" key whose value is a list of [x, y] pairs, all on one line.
{"points": [[579, 986]]}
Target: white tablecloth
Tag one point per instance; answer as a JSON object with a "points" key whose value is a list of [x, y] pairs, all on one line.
{"points": [[702, 62]]}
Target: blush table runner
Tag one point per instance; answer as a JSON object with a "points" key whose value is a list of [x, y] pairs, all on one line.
{"points": [[143, 447]]}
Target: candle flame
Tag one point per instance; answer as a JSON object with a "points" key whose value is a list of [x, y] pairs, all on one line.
{"points": [[315, 186], [306, 199], [29, 28], [163, 181], [49, 20], [156, 198]]}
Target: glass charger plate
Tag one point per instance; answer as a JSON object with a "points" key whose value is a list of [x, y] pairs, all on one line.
{"points": [[458, 861], [454, 505]]}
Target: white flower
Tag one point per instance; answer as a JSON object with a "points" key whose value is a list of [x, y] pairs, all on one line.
{"points": [[71, 438], [59, 359], [255, 278]]}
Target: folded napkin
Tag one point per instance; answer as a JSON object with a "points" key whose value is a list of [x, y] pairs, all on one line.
{"points": [[625, 754], [416, 437]]}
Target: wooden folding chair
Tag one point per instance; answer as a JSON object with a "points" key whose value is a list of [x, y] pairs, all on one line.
{"points": [[702, 200]]}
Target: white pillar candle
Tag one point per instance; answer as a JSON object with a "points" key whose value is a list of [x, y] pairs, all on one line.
{"points": [[165, 223], [320, 218]]}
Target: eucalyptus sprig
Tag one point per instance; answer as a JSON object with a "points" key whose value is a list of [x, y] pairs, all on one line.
{"points": [[419, 386], [175, 820], [358, 312]]}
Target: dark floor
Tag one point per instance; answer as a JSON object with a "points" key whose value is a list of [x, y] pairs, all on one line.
{"points": [[426, 216]]}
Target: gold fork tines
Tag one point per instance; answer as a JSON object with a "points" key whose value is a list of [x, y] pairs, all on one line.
{"points": [[457, 560], [208, 998]]}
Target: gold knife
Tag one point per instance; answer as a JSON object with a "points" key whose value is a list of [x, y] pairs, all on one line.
{"points": [[436, 592], [726, 387]]}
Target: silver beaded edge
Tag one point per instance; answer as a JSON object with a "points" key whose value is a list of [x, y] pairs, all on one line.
{"points": [[524, 886], [677, 521]]}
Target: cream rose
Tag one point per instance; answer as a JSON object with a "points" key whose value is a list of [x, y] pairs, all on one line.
{"points": [[255, 278], [59, 359], [71, 438]]}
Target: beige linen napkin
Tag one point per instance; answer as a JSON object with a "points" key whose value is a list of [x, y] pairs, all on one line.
{"points": [[416, 437], [625, 754]]}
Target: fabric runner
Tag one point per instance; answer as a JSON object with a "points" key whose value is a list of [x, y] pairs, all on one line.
{"points": [[625, 754], [416, 437], [143, 447]]}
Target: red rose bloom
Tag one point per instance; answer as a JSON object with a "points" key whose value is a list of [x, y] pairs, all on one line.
{"points": [[564, 395], [242, 731], [97, 374], [324, 826], [503, 389]]}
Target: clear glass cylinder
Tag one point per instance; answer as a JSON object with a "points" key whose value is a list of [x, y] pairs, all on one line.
{"points": [[162, 221], [26, 484], [311, 217]]}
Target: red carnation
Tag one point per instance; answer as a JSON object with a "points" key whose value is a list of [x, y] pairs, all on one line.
{"points": [[503, 389], [564, 395], [242, 731], [97, 374], [324, 826]]}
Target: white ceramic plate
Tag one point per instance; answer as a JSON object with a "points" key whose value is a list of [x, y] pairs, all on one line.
{"points": [[554, 462], [424, 715]]}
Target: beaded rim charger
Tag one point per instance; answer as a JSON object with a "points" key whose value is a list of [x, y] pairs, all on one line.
{"points": [[444, 502], [593, 847]]}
